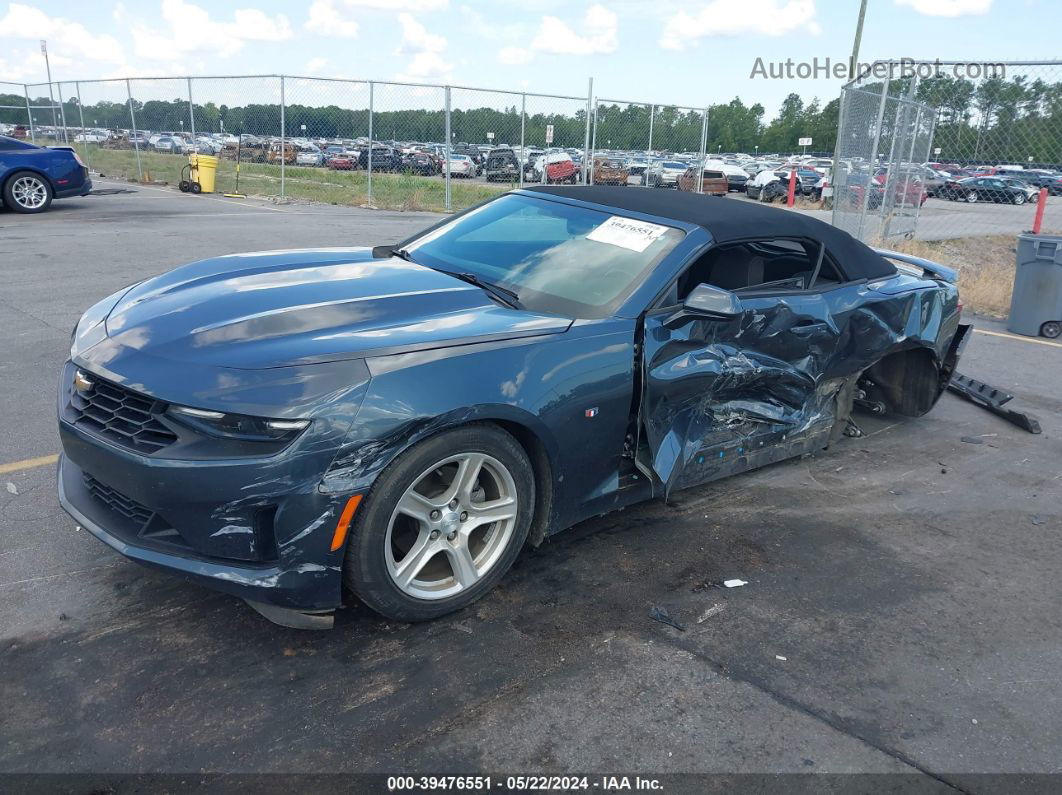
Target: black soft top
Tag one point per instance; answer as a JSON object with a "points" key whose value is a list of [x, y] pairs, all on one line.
{"points": [[733, 220]]}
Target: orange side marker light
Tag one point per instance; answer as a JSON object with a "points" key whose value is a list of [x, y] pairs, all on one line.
{"points": [[340, 536]]}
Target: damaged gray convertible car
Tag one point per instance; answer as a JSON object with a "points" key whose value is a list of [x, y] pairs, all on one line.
{"points": [[402, 420]]}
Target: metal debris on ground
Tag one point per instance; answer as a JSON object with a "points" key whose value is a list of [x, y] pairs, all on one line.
{"points": [[734, 583], [711, 611], [660, 614], [992, 399], [780, 657], [1038, 520]]}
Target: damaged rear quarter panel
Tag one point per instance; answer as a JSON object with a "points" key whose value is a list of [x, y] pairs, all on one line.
{"points": [[725, 396]]}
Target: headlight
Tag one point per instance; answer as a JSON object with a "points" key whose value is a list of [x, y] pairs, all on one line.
{"points": [[238, 426]]}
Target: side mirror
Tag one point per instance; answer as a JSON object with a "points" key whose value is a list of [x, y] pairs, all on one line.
{"points": [[705, 299]]}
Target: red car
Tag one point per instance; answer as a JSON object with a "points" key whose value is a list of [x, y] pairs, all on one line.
{"points": [[343, 163]]}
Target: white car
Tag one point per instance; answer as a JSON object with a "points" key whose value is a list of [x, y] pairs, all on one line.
{"points": [[462, 166], [665, 173], [90, 137], [309, 157]]}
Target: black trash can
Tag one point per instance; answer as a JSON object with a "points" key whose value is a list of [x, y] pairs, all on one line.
{"points": [[1036, 306]]}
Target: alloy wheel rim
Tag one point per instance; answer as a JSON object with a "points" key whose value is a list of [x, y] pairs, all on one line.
{"points": [[451, 526], [29, 192]]}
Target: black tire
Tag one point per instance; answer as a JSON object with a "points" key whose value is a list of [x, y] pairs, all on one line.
{"points": [[1052, 329], [1019, 198], [184, 186], [971, 197], [19, 204], [365, 569], [197, 188]]}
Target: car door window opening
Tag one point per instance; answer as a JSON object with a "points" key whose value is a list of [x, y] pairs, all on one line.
{"points": [[759, 266]]}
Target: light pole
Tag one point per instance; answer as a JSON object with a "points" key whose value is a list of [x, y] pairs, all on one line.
{"points": [[48, 69]]}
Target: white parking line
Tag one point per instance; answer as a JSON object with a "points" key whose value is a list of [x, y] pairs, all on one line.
{"points": [[1018, 338]]}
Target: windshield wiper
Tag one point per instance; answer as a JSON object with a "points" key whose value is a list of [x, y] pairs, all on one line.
{"points": [[401, 253], [503, 294]]}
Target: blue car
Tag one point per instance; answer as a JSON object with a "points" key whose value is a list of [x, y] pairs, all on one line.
{"points": [[31, 176], [399, 421]]}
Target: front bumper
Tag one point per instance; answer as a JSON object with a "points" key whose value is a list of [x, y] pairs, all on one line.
{"points": [[304, 586]]}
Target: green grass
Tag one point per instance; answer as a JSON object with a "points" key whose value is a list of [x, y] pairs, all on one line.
{"points": [[389, 191]]}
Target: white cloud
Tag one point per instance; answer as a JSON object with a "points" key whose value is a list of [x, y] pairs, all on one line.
{"points": [[64, 37], [314, 65], [416, 38], [400, 5], [424, 51], [735, 17], [948, 8], [326, 20], [514, 56], [597, 34], [190, 28]]}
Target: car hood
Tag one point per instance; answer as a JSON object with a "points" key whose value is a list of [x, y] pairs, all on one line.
{"points": [[283, 308]]}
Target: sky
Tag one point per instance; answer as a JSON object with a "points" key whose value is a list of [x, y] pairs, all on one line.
{"points": [[684, 52]]}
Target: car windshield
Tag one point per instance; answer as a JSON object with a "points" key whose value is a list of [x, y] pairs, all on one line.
{"points": [[559, 258]]}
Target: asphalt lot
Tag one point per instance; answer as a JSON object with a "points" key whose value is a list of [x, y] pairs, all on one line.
{"points": [[901, 613]]}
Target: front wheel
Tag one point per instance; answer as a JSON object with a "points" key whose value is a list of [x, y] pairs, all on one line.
{"points": [[27, 192], [1019, 198], [971, 197], [442, 524]]}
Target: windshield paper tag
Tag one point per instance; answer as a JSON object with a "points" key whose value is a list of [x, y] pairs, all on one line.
{"points": [[627, 233]]}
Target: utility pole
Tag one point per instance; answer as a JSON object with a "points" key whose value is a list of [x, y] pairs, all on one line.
{"points": [[48, 68], [852, 66]]}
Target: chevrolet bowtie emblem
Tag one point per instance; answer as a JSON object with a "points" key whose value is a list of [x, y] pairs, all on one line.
{"points": [[82, 383]]}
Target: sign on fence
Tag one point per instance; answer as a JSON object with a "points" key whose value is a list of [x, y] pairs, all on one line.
{"points": [[804, 142], [549, 133]]}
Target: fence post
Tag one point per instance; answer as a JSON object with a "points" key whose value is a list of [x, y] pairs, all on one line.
{"points": [[523, 145], [191, 112], [593, 148], [29, 113], [283, 138], [586, 135], [81, 115], [371, 86], [648, 156], [704, 150], [873, 158], [62, 113], [136, 144], [447, 96]]}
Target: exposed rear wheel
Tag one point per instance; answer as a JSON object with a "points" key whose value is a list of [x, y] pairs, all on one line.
{"points": [[442, 524]]}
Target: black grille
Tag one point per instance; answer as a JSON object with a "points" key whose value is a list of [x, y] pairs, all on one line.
{"points": [[121, 416], [118, 502]]}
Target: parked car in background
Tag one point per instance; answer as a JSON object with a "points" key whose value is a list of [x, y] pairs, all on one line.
{"points": [[559, 167], [975, 189], [20, 131], [90, 137], [636, 168], [736, 176], [342, 163], [462, 166], [1032, 193], [713, 182], [421, 163], [665, 173], [609, 171], [309, 156], [767, 186], [473, 152], [32, 176], [384, 158], [502, 165]]}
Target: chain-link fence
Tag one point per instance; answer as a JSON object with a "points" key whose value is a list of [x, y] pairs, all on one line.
{"points": [[354, 142], [951, 161], [648, 145], [942, 151]]}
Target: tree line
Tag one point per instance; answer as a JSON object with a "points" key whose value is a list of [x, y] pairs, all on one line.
{"points": [[991, 120]]}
